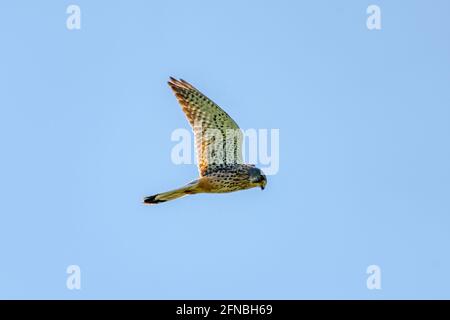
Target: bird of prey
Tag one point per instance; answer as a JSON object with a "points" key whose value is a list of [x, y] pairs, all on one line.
{"points": [[218, 141]]}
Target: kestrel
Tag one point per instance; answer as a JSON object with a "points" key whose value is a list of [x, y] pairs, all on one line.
{"points": [[218, 141]]}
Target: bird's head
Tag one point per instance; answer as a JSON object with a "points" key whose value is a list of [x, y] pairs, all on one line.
{"points": [[257, 178]]}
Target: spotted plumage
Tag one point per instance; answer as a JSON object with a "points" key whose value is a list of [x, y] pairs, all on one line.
{"points": [[218, 142]]}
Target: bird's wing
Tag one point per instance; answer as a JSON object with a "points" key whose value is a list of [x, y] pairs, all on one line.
{"points": [[207, 120]]}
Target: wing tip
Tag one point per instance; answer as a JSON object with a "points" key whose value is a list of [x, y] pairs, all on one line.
{"points": [[179, 83]]}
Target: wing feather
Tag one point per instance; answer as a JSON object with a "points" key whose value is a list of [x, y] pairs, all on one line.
{"points": [[218, 138]]}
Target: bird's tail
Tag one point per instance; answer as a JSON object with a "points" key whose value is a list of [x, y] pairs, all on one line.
{"points": [[191, 188]]}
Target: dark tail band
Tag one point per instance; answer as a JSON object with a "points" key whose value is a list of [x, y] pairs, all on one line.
{"points": [[152, 200]]}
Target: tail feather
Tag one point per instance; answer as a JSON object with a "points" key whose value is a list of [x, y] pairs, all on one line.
{"points": [[171, 195], [153, 200]]}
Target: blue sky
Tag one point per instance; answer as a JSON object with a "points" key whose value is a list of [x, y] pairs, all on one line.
{"points": [[85, 125]]}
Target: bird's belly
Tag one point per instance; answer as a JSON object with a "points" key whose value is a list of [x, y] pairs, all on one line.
{"points": [[225, 184]]}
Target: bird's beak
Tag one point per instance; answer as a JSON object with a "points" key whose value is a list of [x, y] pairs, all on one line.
{"points": [[263, 184]]}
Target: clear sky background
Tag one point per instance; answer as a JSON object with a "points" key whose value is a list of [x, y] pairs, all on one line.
{"points": [[85, 124]]}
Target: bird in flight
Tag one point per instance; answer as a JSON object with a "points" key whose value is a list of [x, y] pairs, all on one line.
{"points": [[218, 141]]}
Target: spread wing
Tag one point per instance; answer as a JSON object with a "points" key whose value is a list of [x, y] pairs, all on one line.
{"points": [[218, 138]]}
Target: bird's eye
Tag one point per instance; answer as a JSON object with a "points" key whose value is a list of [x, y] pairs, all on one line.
{"points": [[254, 172], [256, 178]]}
